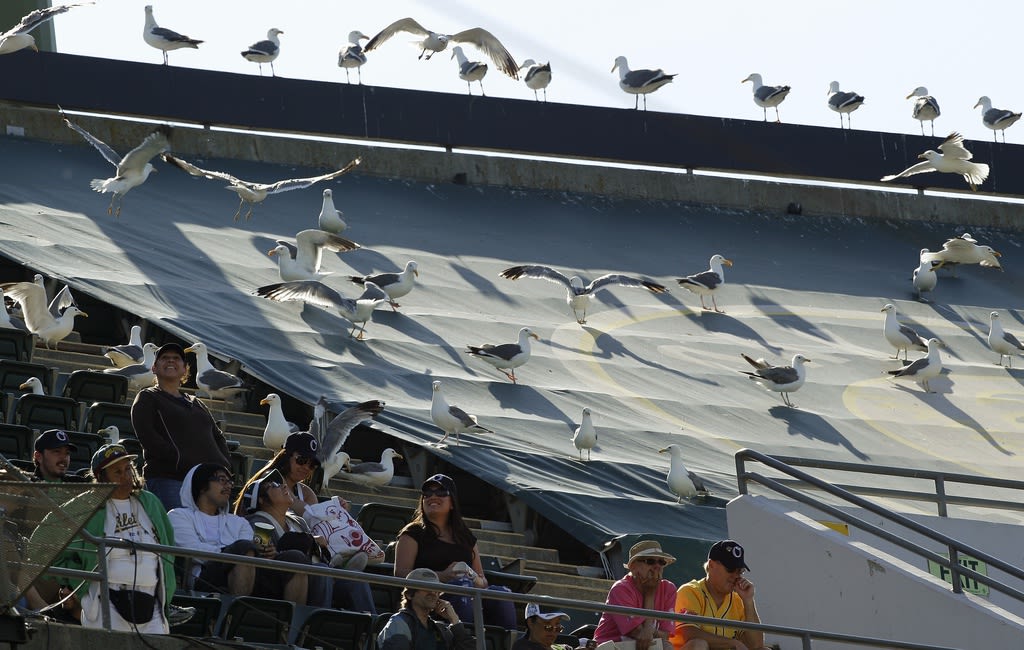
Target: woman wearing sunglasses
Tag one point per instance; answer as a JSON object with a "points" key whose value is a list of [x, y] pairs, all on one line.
{"points": [[542, 629], [643, 588], [296, 462], [437, 538]]}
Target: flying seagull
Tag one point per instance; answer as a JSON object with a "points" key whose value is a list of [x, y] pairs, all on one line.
{"points": [[577, 296], [954, 159], [331, 436], [132, 170], [301, 260], [900, 336], [964, 249], [924, 277], [165, 39], [216, 384], [997, 119], [265, 51], [434, 42], [370, 474], [352, 56], [470, 71], [779, 379], [38, 319], [538, 76], [130, 352], [682, 482], [396, 285], [924, 369], [707, 282], [639, 82], [843, 102], [451, 419], [767, 96], [926, 108], [356, 311], [507, 356], [18, 37], [277, 428], [585, 436], [1002, 342], [252, 193]]}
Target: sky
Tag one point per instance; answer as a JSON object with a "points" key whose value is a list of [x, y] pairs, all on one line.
{"points": [[882, 50]]}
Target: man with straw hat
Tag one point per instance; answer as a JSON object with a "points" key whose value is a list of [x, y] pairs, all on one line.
{"points": [[643, 588]]}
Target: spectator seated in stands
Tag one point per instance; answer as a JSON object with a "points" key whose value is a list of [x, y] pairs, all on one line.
{"points": [[52, 456], [437, 538], [642, 588], [542, 630], [725, 593], [296, 462], [412, 627]]}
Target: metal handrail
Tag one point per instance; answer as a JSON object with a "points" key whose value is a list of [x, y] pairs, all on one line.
{"points": [[956, 547]]}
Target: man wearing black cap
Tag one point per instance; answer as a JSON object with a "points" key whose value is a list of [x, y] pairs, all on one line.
{"points": [[725, 593], [176, 430], [52, 456]]}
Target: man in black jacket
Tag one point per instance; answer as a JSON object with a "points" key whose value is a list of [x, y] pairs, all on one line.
{"points": [[412, 627]]}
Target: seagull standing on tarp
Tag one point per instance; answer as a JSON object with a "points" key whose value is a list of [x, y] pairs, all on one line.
{"points": [[301, 260], [370, 474], [924, 369], [538, 76], [451, 419], [681, 482], [964, 249], [396, 285], [843, 102], [331, 437], [165, 39], [779, 379], [39, 319], [924, 277], [18, 37], [585, 436], [352, 55], [767, 96], [507, 356], [997, 119], [639, 82], [900, 336], [954, 159], [470, 71], [434, 42], [926, 107], [356, 311], [708, 282], [1002, 342], [132, 170], [330, 218], [216, 384], [129, 353], [265, 51]]}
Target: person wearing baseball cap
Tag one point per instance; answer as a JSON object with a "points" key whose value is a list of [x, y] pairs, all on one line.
{"points": [[643, 587], [425, 619], [724, 592], [52, 455], [296, 462], [542, 628]]}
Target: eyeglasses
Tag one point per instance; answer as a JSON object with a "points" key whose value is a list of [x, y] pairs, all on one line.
{"points": [[651, 561], [737, 571], [557, 627], [306, 460], [437, 492], [222, 479]]}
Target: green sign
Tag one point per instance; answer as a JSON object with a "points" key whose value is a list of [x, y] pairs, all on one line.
{"points": [[968, 584]]}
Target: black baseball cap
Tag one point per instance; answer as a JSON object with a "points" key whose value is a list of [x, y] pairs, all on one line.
{"points": [[729, 554], [170, 347], [54, 439]]}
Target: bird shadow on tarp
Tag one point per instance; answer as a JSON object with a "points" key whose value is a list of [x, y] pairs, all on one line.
{"points": [[526, 399], [957, 321], [608, 347], [481, 284], [785, 318], [414, 330], [939, 402], [713, 321], [605, 300], [362, 261], [813, 426]]}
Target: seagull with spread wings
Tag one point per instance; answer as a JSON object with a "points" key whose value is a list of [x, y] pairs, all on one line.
{"points": [[577, 296], [963, 249], [433, 42], [39, 319], [132, 170], [954, 159], [356, 311], [301, 260], [331, 436], [252, 193], [18, 37]]}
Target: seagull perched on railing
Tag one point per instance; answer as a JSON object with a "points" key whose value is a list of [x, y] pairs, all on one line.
{"points": [[470, 71], [265, 51], [639, 82], [767, 96], [165, 39], [18, 37], [843, 102], [538, 76], [926, 108], [954, 159], [352, 56], [433, 42], [997, 119]]}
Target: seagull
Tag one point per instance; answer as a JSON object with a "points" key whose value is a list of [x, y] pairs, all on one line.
{"points": [[331, 437], [900, 336], [356, 311], [35, 386], [964, 249], [132, 170], [954, 159], [707, 282], [265, 51], [451, 419], [395, 285], [301, 260], [214, 383], [767, 96], [6, 320], [433, 42], [585, 435], [682, 482], [780, 379], [1003, 342], [278, 428], [842, 102], [253, 193], [925, 277], [996, 119], [352, 56], [373, 475], [578, 296], [18, 37], [38, 318], [129, 353], [507, 356], [538, 76], [111, 433], [330, 219], [924, 369], [139, 375], [926, 108], [470, 71], [639, 82], [165, 39]]}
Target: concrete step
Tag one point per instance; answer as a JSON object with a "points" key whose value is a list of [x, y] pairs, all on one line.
{"points": [[529, 553], [559, 578], [568, 591], [558, 567]]}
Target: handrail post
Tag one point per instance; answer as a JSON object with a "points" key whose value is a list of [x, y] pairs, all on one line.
{"points": [[954, 569], [101, 568], [741, 473], [940, 494], [478, 621]]}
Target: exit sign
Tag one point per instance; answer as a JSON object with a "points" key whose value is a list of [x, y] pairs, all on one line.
{"points": [[968, 584]]}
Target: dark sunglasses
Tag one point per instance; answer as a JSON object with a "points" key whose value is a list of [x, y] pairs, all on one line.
{"points": [[437, 492], [651, 561], [557, 627], [306, 460]]}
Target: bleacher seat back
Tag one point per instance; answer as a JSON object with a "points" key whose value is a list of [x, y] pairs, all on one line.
{"points": [[333, 629], [16, 442], [42, 412], [203, 622], [87, 444], [257, 620], [382, 521], [101, 415], [14, 373], [89, 386], [16, 345]]}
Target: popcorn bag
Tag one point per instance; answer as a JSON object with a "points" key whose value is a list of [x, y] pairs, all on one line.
{"points": [[345, 537]]}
